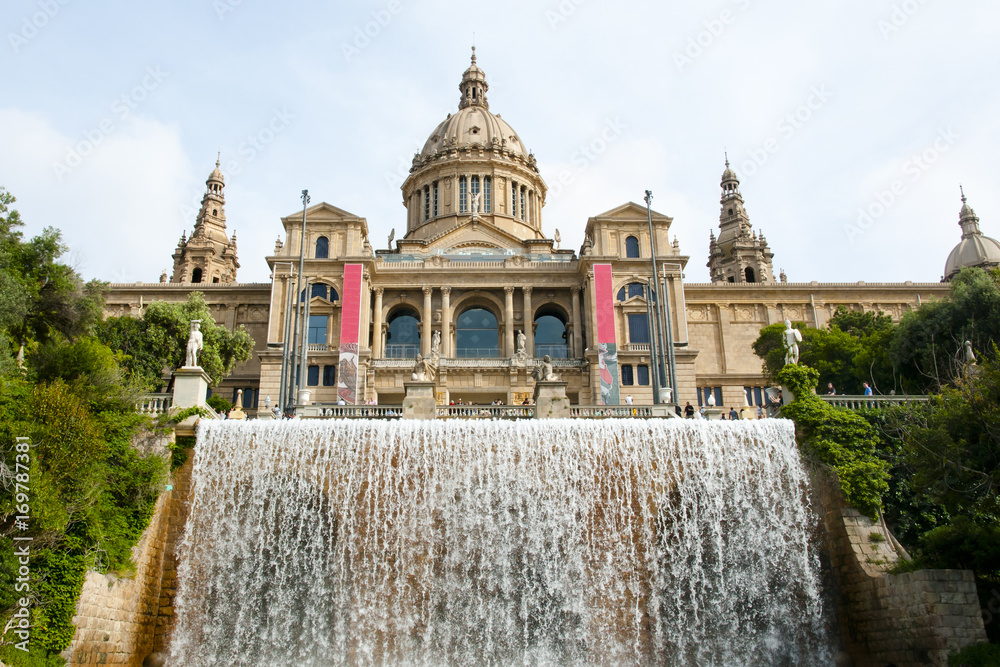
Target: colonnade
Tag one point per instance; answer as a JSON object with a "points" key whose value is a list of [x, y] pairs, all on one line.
{"points": [[574, 327]]}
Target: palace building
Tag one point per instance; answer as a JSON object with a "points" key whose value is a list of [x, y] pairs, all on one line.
{"points": [[477, 286]]}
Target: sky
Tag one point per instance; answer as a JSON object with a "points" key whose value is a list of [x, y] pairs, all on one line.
{"points": [[851, 123]]}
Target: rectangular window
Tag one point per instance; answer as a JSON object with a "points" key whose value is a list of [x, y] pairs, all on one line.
{"points": [[329, 376], [627, 375], [513, 199], [718, 395], [463, 195], [487, 194], [427, 202], [758, 396], [475, 186], [317, 329], [313, 377], [524, 191], [435, 199], [638, 328], [643, 374]]}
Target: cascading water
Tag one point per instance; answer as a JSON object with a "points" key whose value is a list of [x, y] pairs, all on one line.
{"points": [[676, 542]]}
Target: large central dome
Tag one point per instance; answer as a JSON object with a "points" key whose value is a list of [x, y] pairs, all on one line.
{"points": [[473, 168], [472, 127]]}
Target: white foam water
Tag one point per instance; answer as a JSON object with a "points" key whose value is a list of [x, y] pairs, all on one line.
{"points": [[559, 542]]}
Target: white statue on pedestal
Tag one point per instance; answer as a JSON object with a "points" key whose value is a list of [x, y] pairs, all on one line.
{"points": [[792, 339], [419, 373], [544, 371], [475, 205], [194, 344]]}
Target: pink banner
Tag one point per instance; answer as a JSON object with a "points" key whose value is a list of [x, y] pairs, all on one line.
{"points": [[350, 333], [607, 347]]}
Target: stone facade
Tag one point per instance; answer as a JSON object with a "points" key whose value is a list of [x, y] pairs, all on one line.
{"points": [[475, 243]]}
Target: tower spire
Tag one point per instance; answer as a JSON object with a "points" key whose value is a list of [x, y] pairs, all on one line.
{"points": [[473, 86]]}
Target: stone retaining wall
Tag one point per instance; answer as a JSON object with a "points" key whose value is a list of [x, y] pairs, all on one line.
{"points": [[123, 621], [910, 620]]}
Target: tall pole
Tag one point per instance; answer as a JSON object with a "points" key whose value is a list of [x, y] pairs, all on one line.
{"points": [[652, 342], [287, 338], [298, 291], [305, 339], [661, 371], [669, 327]]}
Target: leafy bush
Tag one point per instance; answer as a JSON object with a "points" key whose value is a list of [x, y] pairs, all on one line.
{"points": [[838, 438], [977, 655]]}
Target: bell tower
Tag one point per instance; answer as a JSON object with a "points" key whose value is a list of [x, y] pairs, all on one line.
{"points": [[739, 255], [209, 255]]}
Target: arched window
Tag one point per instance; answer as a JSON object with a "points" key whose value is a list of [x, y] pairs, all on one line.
{"points": [[463, 194], [196, 276], [477, 334], [322, 247], [550, 336], [631, 247], [631, 290], [750, 275], [487, 194], [404, 335]]}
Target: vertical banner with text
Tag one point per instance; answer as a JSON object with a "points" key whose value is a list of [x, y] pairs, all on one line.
{"points": [[607, 345], [350, 334]]}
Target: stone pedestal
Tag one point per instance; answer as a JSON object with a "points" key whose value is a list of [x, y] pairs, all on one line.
{"points": [[714, 414], [550, 400], [420, 401], [190, 390]]}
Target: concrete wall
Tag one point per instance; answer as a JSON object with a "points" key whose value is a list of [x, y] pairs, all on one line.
{"points": [[910, 620]]}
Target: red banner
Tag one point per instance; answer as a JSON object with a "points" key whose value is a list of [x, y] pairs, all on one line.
{"points": [[607, 346], [350, 333]]}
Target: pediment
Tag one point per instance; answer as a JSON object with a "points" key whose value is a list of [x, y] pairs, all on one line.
{"points": [[629, 212], [470, 237], [322, 212]]}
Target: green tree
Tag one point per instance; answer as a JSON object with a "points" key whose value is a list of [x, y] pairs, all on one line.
{"points": [[159, 340], [41, 298], [928, 347]]}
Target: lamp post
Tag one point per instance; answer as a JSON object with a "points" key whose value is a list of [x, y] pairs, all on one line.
{"points": [[658, 328], [287, 339], [293, 385]]}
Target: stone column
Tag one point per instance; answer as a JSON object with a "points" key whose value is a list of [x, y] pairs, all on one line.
{"points": [[509, 317], [577, 326], [426, 318], [377, 340], [446, 322], [529, 323]]}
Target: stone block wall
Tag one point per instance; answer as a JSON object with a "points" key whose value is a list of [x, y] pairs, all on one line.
{"points": [[910, 620], [123, 621]]}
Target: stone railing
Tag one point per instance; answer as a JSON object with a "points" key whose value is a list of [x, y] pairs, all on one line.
{"points": [[321, 411], [636, 347], [615, 411], [852, 402], [486, 411], [407, 364], [155, 404]]}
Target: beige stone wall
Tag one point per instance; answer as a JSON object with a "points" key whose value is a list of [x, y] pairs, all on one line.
{"points": [[912, 619], [122, 621]]}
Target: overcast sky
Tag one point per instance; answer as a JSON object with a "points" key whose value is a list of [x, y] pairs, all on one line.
{"points": [[112, 113]]}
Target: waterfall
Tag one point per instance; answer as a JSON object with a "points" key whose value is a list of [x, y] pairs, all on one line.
{"points": [[559, 542]]}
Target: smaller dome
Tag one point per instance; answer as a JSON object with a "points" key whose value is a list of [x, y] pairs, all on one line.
{"points": [[216, 174], [975, 249]]}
